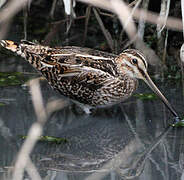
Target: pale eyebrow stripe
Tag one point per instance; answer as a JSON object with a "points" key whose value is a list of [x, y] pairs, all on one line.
{"points": [[140, 56]]}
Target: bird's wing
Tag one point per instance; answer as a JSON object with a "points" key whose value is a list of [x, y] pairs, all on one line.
{"points": [[76, 73], [82, 57], [76, 81], [69, 55]]}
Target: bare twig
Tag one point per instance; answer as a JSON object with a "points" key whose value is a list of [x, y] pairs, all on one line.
{"points": [[123, 12], [54, 29], [164, 12], [141, 25], [53, 9], [4, 29], [104, 30], [2, 2], [133, 3], [34, 132], [88, 13], [32, 171], [8, 12], [55, 106], [38, 101], [131, 14], [161, 46], [182, 48], [25, 11], [23, 159], [172, 23], [181, 65], [107, 14], [11, 9], [131, 31], [182, 11], [165, 48], [64, 20]]}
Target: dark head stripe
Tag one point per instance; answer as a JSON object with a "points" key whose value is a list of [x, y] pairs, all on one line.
{"points": [[138, 54]]}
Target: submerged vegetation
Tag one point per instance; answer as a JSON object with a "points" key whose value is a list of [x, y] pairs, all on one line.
{"points": [[146, 96], [11, 78], [49, 139]]}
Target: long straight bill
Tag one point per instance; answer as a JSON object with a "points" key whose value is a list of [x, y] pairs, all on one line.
{"points": [[159, 94]]}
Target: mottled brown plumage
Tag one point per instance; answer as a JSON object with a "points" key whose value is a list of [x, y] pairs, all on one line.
{"points": [[89, 77]]}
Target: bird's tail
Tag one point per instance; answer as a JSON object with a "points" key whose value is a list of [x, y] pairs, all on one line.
{"points": [[32, 52], [10, 45], [24, 48]]}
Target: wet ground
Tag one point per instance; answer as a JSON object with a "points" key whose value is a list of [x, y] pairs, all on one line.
{"points": [[122, 142]]}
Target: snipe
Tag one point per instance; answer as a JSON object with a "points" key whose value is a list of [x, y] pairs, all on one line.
{"points": [[89, 77]]}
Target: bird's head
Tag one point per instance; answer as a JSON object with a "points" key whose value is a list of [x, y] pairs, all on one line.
{"points": [[133, 63]]}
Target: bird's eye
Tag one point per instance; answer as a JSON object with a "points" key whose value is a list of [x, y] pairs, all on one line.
{"points": [[134, 61]]}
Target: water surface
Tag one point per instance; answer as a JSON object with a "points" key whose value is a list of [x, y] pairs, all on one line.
{"points": [[120, 142]]}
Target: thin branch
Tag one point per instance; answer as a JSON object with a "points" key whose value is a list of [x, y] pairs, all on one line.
{"points": [[131, 14], [182, 12], [23, 159], [181, 65], [164, 12], [34, 132], [53, 9], [4, 29], [38, 101], [124, 14], [32, 171], [11, 9], [141, 25], [151, 17], [2, 2], [88, 13], [104, 30]]}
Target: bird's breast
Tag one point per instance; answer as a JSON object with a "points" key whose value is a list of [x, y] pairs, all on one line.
{"points": [[116, 91]]}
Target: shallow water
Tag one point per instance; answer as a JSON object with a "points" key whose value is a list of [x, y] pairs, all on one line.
{"points": [[121, 142], [127, 141]]}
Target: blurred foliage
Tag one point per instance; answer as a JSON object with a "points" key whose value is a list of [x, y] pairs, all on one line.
{"points": [[2, 104]]}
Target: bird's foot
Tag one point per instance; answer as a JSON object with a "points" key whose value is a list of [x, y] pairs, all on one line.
{"points": [[87, 110]]}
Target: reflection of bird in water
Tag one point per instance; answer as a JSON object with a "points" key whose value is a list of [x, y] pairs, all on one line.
{"points": [[89, 77]]}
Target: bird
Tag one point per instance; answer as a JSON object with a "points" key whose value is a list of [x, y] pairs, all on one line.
{"points": [[90, 78]]}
